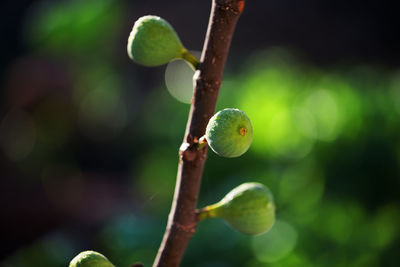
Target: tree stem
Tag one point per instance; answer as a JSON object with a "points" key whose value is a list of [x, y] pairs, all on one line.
{"points": [[182, 220], [190, 59]]}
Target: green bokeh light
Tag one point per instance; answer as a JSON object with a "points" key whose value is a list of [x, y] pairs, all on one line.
{"points": [[73, 26], [275, 244]]}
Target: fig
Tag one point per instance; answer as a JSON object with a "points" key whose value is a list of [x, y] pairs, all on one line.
{"points": [[153, 42], [248, 208], [90, 259], [229, 133]]}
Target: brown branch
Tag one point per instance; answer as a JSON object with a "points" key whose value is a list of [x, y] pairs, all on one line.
{"points": [[182, 221]]}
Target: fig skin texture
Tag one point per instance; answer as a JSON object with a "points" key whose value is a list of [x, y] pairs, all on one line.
{"points": [[248, 208], [153, 42], [229, 133], [90, 259]]}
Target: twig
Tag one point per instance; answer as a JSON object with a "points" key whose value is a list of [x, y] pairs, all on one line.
{"points": [[182, 221]]}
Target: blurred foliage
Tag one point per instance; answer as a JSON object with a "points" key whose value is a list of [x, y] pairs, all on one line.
{"points": [[73, 25], [325, 142]]}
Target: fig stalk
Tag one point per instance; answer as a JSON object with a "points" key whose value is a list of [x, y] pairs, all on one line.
{"points": [[192, 61], [182, 220]]}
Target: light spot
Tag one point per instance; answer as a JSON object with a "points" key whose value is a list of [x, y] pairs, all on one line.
{"points": [[179, 79], [275, 244]]}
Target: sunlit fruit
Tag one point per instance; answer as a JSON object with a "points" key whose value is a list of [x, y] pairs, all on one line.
{"points": [[229, 133], [90, 259], [248, 208], [153, 42]]}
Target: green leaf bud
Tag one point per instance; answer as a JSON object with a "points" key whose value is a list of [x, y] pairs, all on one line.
{"points": [[90, 259], [153, 42], [229, 133], [248, 208]]}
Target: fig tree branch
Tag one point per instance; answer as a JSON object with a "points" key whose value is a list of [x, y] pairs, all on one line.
{"points": [[182, 220]]}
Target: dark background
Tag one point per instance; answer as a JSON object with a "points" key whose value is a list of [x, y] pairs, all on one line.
{"points": [[75, 177], [328, 32]]}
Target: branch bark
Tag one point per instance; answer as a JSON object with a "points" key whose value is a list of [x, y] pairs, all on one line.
{"points": [[182, 220]]}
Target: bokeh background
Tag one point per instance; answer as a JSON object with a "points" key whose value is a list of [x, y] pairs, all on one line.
{"points": [[89, 140]]}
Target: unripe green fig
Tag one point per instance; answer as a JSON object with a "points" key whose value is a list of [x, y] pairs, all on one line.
{"points": [[229, 133], [248, 208], [153, 42], [90, 259]]}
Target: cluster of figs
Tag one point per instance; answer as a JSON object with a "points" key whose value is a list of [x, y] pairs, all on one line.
{"points": [[248, 208]]}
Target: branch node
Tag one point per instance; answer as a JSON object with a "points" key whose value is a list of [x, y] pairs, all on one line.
{"points": [[187, 152]]}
